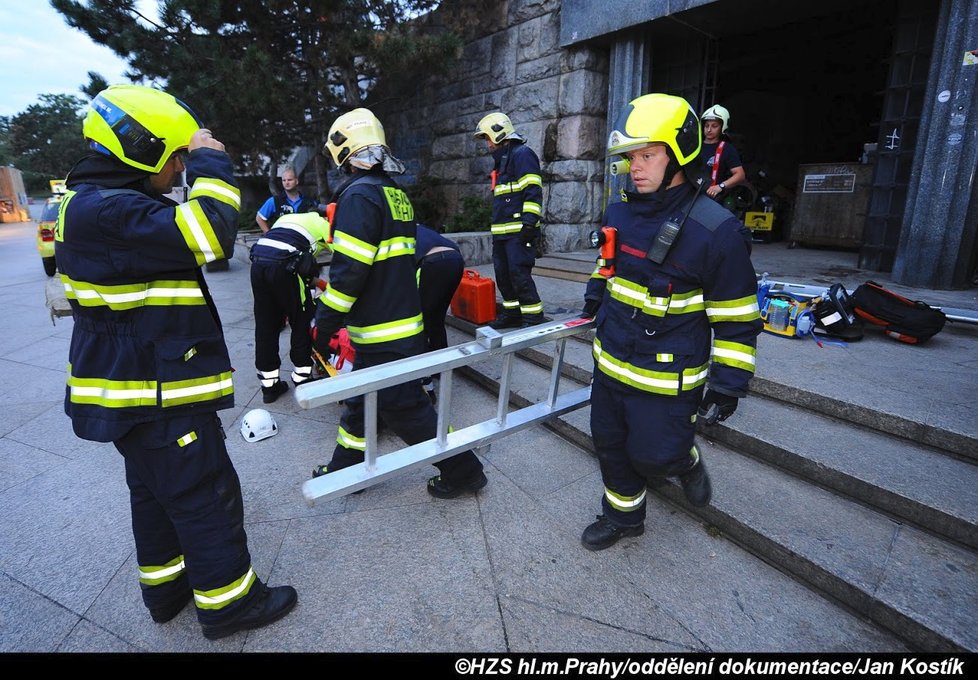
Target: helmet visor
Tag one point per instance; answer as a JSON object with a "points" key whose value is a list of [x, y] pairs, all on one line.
{"points": [[137, 142]]}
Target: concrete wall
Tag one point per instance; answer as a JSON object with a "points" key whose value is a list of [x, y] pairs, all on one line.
{"points": [[557, 98]]}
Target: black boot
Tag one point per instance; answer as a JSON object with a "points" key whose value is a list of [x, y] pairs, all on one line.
{"points": [[270, 394], [532, 320], [696, 485], [603, 534], [507, 320], [269, 606], [439, 487]]}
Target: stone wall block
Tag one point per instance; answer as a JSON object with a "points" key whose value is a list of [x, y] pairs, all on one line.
{"points": [[570, 202], [524, 10], [583, 92], [580, 59], [576, 171], [449, 171], [502, 61], [581, 137], [539, 37], [538, 69], [564, 238]]}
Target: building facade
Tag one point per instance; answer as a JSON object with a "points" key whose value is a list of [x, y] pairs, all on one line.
{"points": [[885, 83]]}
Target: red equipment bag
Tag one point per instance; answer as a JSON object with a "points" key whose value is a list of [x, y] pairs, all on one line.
{"points": [[905, 320]]}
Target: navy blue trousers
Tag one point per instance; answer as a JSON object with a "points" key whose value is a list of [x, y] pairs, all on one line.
{"points": [[186, 502], [512, 263], [638, 437], [277, 295]]}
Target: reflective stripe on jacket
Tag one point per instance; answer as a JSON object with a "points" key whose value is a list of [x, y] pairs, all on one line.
{"points": [[372, 282], [518, 193], [669, 328]]}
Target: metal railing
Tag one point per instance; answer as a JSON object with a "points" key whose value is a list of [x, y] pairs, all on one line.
{"points": [[488, 344]]}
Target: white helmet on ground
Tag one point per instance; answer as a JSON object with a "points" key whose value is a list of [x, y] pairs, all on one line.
{"points": [[258, 424]]}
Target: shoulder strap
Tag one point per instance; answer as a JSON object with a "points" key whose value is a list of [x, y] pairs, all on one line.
{"points": [[716, 163], [708, 212], [106, 193]]}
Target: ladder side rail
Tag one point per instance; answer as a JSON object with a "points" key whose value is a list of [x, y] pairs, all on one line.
{"points": [[375, 378]]}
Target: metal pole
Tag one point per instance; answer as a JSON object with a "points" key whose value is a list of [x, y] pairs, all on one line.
{"points": [[558, 364], [504, 390], [444, 406], [370, 430]]}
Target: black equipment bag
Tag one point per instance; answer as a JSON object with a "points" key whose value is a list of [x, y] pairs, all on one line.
{"points": [[835, 315], [905, 320]]}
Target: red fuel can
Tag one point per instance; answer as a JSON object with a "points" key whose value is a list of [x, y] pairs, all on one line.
{"points": [[475, 298]]}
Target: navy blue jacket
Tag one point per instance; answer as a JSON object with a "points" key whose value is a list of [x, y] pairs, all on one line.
{"points": [[373, 288], [518, 194], [666, 328], [147, 341]]}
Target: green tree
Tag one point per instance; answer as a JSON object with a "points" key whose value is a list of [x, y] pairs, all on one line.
{"points": [[45, 139], [6, 157], [269, 75]]}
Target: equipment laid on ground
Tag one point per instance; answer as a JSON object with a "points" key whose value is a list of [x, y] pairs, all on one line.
{"points": [[803, 291], [835, 314], [258, 424], [909, 321], [475, 299], [786, 314]]}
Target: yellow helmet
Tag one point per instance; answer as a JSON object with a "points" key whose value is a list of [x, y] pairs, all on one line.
{"points": [[495, 127], [312, 223], [353, 131], [141, 126], [658, 118]]}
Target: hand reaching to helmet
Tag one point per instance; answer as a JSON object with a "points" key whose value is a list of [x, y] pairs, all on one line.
{"points": [[202, 138], [714, 191]]}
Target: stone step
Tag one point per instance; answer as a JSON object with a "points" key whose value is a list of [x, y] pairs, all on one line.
{"points": [[914, 483], [918, 585]]}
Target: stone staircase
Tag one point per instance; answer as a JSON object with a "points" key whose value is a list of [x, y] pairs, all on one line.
{"points": [[877, 512]]}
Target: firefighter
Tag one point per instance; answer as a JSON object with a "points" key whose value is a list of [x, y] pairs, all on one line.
{"points": [[373, 291], [678, 313], [148, 366], [517, 194], [724, 168], [283, 266]]}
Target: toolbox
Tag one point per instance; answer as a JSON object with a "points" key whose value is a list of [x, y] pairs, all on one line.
{"points": [[475, 298]]}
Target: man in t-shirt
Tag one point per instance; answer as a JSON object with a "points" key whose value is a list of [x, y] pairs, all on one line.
{"points": [[291, 202]]}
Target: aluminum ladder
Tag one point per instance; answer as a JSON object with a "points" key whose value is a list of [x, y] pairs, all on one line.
{"points": [[488, 344]]}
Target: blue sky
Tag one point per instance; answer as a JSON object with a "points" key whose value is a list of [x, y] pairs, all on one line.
{"points": [[41, 54]]}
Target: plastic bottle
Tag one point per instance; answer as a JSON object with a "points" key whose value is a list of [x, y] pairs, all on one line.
{"points": [[777, 315]]}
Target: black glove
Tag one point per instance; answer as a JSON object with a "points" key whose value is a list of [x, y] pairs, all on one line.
{"points": [[530, 236], [591, 306], [307, 266], [716, 407], [321, 340]]}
